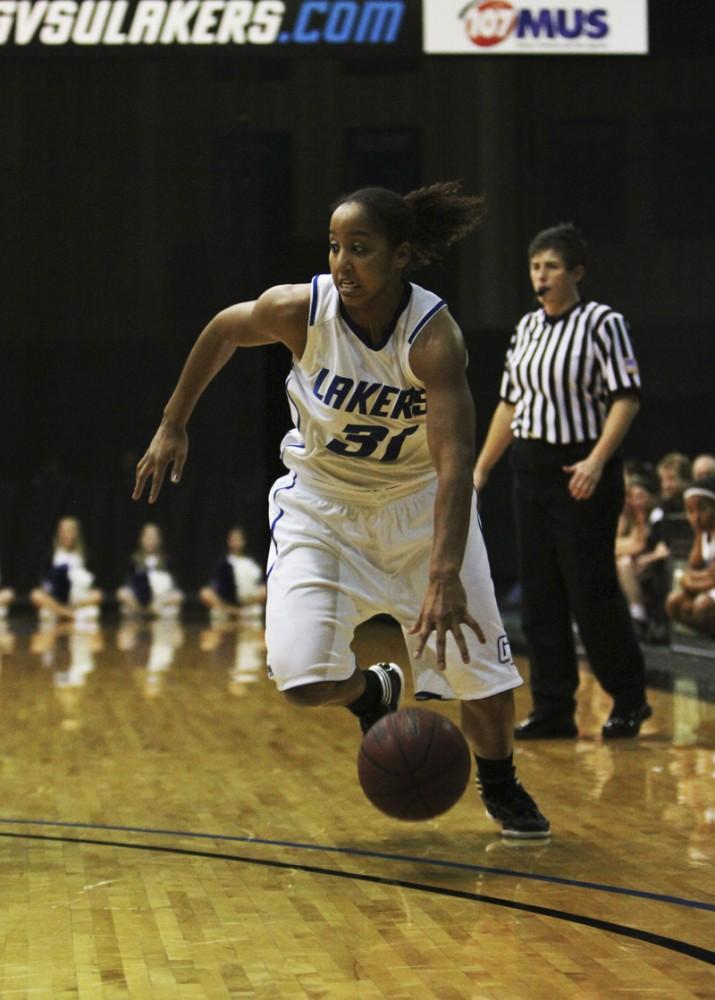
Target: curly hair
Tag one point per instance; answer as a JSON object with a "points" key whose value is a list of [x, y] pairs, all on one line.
{"points": [[430, 219]]}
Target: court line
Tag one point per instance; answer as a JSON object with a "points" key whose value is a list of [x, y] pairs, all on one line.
{"points": [[657, 897], [672, 944]]}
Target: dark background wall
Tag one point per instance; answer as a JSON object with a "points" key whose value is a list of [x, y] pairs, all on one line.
{"points": [[142, 192]]}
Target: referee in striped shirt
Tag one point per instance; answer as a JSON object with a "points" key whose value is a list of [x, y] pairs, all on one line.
{"points": [[569, 393]]}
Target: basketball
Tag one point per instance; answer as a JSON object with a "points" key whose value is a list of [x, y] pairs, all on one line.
{"points": [[414, 764]]}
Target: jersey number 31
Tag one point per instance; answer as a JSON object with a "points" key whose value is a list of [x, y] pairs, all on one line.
{"points": [[362, 440]]}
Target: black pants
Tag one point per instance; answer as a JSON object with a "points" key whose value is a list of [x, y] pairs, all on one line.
{"points": [[567, 569]]}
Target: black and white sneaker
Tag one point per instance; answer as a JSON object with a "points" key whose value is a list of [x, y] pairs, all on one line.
{"points": [[511, 805], [392, 681]]}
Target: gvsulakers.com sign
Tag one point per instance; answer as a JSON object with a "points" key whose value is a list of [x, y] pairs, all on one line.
{"points": [[275, 26], [503, 27]]}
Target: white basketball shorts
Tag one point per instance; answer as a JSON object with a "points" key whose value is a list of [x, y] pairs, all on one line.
{"points": [[334, 565]]}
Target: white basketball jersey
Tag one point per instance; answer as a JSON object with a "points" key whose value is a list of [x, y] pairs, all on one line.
{"points": [[359, 410]]}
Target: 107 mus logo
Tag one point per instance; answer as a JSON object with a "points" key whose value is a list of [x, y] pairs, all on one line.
{"points": [[489, 22]]}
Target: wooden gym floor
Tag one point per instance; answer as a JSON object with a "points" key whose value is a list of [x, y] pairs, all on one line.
{"points": [[171, 830]]}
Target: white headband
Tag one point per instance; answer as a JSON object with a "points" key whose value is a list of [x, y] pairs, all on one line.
{"points": [[700, 491]]}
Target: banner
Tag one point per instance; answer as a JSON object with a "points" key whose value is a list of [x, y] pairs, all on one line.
{"points": [[291, 27], [501, 27]]}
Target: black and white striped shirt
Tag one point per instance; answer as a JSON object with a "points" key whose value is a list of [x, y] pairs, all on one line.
{"points": [[561, 374]]}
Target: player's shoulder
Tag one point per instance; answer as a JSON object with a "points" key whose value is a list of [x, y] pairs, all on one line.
{"points": [[434, 323], [284, 309], [286, 301], [439, 346]]}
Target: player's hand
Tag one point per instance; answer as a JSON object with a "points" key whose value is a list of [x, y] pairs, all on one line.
{"points": [[585, 476], [479, 478], [169, 447], [445, 610]]}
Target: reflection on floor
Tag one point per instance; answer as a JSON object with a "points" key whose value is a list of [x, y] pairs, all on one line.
{"points": [[171, 828]]}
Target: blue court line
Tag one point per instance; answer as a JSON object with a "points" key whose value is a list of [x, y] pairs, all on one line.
{"points": [[649, 937], [657, 897]]}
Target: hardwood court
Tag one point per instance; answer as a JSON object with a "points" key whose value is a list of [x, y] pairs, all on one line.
{"points": [[171, 830]]}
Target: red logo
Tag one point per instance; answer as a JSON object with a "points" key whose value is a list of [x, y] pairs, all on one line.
{"points": [[489, 22]]}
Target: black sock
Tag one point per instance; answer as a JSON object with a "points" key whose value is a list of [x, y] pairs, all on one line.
{"points": [[495, 772], [371, 696]]}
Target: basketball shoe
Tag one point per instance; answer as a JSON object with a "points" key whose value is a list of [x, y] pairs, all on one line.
{"points": [[509, 803], [392, 682]]}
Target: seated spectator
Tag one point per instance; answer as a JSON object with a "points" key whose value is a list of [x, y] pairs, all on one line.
{"points": [[674, 473], [692, 603], [237, 584], [641, 559], [150, 590], [66, 590], [703, 466], [7, 596]]}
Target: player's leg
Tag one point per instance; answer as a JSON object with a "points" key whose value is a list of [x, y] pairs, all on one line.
{"points": [[485, 685], [320, 588]]}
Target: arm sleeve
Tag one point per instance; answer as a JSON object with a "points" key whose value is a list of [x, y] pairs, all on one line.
{"points": [[614, 348], [508, 390]]}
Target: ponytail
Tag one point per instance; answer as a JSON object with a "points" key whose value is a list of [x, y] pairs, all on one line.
{"points": [[430, 219]]}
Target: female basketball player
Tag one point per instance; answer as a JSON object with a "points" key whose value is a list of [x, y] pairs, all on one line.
{"points": [[377, 512]]}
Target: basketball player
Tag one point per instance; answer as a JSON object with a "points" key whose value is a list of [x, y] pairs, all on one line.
{"points": [[377, 512]]}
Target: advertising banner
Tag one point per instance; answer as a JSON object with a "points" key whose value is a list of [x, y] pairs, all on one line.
{"points": [[503, 27], [290, 27]]}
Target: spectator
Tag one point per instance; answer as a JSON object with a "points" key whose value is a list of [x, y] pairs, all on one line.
{"points": [[641, 559], [692, 603], [7, 596], [674, 473], [67, 591], [703, 465], [237, 583], [150, 588]]}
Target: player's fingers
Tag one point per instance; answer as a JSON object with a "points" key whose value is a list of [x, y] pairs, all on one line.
{"points": [[461, 643], [177, 468], [157, 481], [419, 630], [475, 627], [441, 648], [422, 641], [414, 629], [140, 480]]}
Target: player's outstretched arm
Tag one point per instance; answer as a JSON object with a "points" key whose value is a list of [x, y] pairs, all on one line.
{"points": [[439, 360], [278, 315]]}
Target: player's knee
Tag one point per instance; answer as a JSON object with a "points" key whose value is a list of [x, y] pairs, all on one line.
{"points": [[310, 695]]}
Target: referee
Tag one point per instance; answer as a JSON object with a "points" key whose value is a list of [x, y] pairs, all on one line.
{"points": [[569, 393]]}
